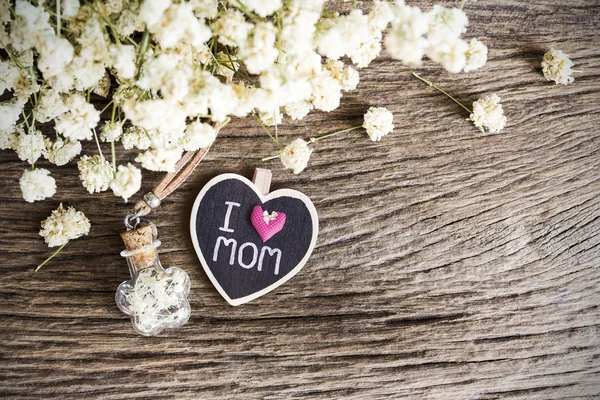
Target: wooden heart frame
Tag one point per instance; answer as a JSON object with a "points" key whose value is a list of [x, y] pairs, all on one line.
{"points": [[263, 198]]}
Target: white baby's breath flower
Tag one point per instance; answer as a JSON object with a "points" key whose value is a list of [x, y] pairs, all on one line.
{"points": [[298, 110], [129, 22], [450, 54], [55, 54], [366, 51], [63, 151], [232, 28], [95, 173], [123, 61], [298, 29], [30, 146], [135, 136], [70, 8], [221, 98], [246, 99], [160, 159], [271, 118], [347, 77], [64, 225], [198, 135], [127, 181], [476, 55], [326, 92], [102, 88], [111, 131], [157, 71], [488, 114], [50, 106], [258, 51], [9, 73], [378, 121], [296, 155], [166, 118], [9, 138], [30, 27], [10, 112], [37, 184], [89, 66], [380, 16], [556, 67], [446, 24], [77, 123], [178, 24], [205, 8], [405, 40], [151, 11], [343, 35], [26, 85], [263, 7], [5, 13]]}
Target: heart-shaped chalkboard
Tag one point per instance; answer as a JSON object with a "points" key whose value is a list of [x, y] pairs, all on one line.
{"points": [[241, 260]]}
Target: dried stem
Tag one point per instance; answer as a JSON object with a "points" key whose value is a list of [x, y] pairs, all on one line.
{"points": [[312, 140], [58, 18], [50, 258], [443, 91]]}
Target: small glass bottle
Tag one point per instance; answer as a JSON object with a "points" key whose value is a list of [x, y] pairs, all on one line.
{"points": [[155, 298]]}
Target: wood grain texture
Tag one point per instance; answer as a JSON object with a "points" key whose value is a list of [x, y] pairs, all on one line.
{"points": [[450, 265]]}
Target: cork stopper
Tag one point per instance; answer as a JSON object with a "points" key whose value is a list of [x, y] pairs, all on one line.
{"points": [[137, 239]]}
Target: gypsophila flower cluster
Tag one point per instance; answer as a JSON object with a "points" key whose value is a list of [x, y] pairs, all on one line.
{"points": [[295, 155], [64, 225], [37, 185], [378, 122], [556, 67], [171, 71], [127, 181], [488, 114], [95, 172]]}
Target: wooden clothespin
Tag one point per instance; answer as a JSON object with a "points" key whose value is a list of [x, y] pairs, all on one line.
{"points": [[262, 180]]}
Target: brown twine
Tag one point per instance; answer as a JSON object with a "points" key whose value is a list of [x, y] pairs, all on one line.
{"points": [[183, 169]]}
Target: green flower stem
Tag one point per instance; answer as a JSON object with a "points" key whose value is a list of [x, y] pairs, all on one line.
{"points": [[312, 140], [441, 90], [32, 127], [25, 120], [114, 157], [142, 52], [266, 130], [251, 15], [106, 107], [98, 143], [270, 158], [58, 18], [112, 141], [10, 55], [50, 258]]}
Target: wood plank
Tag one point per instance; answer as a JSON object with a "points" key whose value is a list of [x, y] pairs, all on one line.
{"points": [[449, 264]]}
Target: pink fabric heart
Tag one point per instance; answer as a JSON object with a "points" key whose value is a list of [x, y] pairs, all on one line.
{"points": [[267, 225]]}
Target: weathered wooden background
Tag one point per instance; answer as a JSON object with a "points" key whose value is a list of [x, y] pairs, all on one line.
{"points": [[450, 265]]}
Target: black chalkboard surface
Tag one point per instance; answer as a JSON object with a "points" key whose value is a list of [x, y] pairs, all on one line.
{"points": [[236, 259]]}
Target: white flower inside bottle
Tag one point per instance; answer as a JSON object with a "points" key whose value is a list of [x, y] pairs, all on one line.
{"points": [[155, 298]]}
